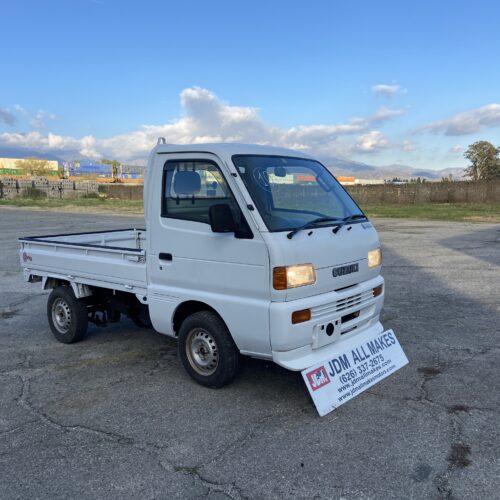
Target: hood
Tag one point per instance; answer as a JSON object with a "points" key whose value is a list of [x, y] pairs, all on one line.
{"points": [[326, 251]]}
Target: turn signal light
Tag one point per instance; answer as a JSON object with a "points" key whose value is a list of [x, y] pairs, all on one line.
{"points": [[378, 290], [301, 316], [279, 278]]}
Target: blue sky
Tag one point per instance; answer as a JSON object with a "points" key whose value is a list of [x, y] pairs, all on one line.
{"points": [[378, 82]]}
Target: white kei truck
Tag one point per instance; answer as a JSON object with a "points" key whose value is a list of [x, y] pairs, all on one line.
{"points": [[248, 250]]}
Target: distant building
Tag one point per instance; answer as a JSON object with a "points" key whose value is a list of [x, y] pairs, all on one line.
{"points": [[103, 170], [351, 180], [132, 172], [92, 170], [346, 180], [8, 166]]}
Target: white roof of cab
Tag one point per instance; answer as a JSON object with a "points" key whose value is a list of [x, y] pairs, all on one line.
{"points": [[227, 150]]}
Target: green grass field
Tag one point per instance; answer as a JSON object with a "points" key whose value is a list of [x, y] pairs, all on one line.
{"points": [[79, 204], [470, 212]]}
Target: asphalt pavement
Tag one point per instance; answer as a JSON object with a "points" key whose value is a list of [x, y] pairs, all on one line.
{"points": [[116, 416]]}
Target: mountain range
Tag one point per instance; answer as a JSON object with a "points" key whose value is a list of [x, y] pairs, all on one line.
{"points": [[365, 171], [338, 166], [12, 152]]}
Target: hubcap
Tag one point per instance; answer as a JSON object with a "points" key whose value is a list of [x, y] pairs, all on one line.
{"points": [[61, 316], [202, 351]]}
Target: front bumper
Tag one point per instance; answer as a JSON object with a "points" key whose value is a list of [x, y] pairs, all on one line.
{"points": [[353, 313], [304, 357]]}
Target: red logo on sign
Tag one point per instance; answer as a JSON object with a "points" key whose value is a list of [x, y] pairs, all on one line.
{"points": [[26, 257], [318, 378]]}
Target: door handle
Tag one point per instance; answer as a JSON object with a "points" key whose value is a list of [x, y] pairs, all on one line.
{"points": [[165, 256]]}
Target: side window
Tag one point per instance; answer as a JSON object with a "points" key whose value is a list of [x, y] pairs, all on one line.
{"points": [[191, 188]]}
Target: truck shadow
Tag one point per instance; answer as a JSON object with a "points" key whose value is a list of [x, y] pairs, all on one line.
{"points": [[252, 371], [483, 244]]}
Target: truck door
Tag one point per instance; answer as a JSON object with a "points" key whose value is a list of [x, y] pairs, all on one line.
{"points": [[189, 262]]}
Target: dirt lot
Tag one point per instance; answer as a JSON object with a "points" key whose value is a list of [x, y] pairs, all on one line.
{"points": [[115, 416]]}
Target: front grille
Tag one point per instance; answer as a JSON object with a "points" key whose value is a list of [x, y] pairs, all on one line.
{"points": [[358, 300]]}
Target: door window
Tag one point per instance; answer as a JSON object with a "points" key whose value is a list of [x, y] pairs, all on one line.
{"points": [[191, 187]]}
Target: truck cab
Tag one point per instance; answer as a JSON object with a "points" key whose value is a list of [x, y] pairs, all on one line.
{"points": [[248, 250], [267, 240]]}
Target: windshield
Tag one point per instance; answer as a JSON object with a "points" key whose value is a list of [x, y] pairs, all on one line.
{"points": [[290, 192]]}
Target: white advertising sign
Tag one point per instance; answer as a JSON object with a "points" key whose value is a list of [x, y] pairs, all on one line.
{"points": [[353, 370]]}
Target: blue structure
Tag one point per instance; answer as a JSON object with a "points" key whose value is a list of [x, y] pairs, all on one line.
{"points": [[104, 170]]}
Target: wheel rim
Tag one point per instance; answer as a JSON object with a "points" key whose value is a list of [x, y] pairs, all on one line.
{"points": [[202, 351], [61, 316]]}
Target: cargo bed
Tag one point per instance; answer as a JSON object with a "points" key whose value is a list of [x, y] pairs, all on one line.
{"points": [[108, 259]]}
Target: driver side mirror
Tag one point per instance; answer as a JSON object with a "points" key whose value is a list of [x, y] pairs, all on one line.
{"points": [[221, 219]]}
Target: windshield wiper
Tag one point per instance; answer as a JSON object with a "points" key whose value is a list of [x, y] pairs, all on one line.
{"points": [[337, 222], [346, 220], [312, 223]]}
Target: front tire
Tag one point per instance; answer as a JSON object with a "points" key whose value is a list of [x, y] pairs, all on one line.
{"points": [[207, 350], [68, 318]]}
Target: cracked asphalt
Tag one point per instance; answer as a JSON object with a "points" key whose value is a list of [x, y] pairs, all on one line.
{"points": [[116, 416]]}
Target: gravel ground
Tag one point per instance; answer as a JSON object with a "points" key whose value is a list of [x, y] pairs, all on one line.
{"points": [[116, 416]]}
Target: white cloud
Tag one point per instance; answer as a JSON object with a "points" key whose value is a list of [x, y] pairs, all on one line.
{"points": [[371, 142], [19, 109], [7, 117], [205, 118], [467, 122], [38, 121], [387, 90], [457, 148], [383, 114], [50, 143], [408, 146]]}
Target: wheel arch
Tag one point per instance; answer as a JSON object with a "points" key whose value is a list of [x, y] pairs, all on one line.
{"points": [[188, 307], [79, 289], [48, 283]]}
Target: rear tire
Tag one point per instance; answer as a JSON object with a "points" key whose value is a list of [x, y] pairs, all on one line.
{"points": [[207, 350], [68, 318]]}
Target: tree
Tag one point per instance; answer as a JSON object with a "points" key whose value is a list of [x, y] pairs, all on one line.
{"points": [[485, 161], [114, 166], [34, 166]]}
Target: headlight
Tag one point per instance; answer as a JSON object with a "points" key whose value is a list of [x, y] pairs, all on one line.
{"points": [[293, 276], [375, 258]]}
